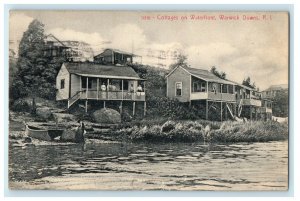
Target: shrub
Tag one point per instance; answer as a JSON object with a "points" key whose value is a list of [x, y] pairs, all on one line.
{"points": [[168, 126], [169, 108], [21, 105], [126, 117]]}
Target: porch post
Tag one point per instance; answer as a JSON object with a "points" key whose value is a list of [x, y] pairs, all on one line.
{"points": [[104, 106], [97, 88], [145, 109], [207, 87], [107, 88], [87, 87], [250, 112]]}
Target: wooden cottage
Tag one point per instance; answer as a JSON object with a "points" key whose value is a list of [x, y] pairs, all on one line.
{"points": [[213, 97], [203, 90], [251, 105], [95, 82], [273, 90], [114, 56], [55, 48]]}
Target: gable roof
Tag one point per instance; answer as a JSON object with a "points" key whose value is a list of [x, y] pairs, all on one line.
{"points": [[117, 51], [98, 70], [203, 74], [209, 76], [48, 37]]}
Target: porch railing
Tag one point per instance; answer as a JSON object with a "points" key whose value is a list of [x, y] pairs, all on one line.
{"points": [[112, 95], [253, 102], [213, 96]]}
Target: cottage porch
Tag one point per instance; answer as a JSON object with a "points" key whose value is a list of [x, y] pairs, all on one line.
{"points": [[206, 90], [108, 89]]}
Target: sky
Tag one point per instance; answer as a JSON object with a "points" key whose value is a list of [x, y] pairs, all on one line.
{"points": [[241, 44]]}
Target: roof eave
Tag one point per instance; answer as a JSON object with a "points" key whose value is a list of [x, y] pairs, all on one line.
{"points": [[109, 76]]}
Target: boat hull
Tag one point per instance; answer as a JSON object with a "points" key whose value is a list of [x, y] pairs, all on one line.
{"points": [[43, 134]]}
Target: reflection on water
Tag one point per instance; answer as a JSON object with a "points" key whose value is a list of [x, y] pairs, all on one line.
{"points": [[98, 165]]}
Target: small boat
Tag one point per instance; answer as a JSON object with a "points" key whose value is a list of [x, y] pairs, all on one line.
{"points": [[43, 134]]}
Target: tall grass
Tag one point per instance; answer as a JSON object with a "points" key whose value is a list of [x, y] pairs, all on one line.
{"points": [[192, 131], [250, 132]]}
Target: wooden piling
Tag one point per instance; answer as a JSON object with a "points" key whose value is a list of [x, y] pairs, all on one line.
{"points": [[133, 108], [121, 107], [145, 108], [206, 110], [86, 105], [226, 115], [221, 111]]}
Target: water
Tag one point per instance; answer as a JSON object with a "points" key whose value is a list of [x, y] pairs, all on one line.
{"points": [[137, 166]]}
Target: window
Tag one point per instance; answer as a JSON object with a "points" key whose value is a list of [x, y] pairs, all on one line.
{"points": [[224, 88], [230, 89], [178, 88], [199, 87], [62, 84]]}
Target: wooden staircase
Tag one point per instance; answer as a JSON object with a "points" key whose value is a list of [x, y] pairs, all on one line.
{"points": [[74, 99]]}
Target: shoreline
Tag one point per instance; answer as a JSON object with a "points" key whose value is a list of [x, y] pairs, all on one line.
{"points": [[173, 131]]}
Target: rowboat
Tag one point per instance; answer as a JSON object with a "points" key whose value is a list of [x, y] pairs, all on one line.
{"points": [[43, 134]]}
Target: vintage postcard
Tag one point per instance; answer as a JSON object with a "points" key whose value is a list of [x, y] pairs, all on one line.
{"points": [[131, 100]]}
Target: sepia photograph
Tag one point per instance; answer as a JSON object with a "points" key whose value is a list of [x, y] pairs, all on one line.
{"points": [[148, 100]]}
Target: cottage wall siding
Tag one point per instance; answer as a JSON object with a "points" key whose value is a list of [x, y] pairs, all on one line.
{"points": [[108, 55], [62, 94], [75, 84], [179, 75]]}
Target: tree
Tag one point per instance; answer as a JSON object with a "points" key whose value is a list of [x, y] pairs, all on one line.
{"points": [[156, 81], [31, 61], [36, 73], [220, 74], [280, 104], [181, 61], [247, 83]]}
